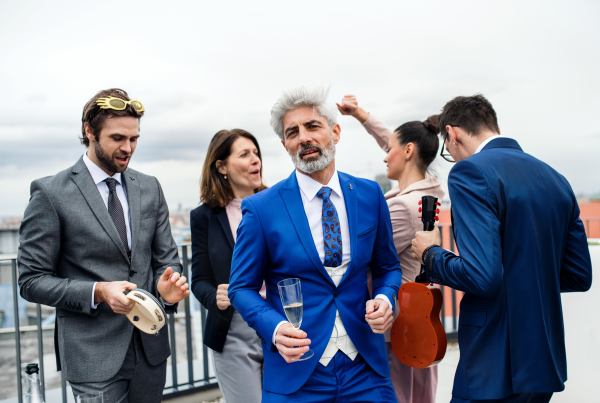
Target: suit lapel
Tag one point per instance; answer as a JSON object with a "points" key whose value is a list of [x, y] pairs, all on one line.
{"points": [[221, 214], [89, 190], [134, 200], [351, 200], [292, 199]]}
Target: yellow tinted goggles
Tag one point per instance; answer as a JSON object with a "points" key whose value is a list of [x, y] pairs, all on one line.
{"points": [[118, 104]]}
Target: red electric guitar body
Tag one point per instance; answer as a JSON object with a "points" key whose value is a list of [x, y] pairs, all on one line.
{"points": [[418, 337]]}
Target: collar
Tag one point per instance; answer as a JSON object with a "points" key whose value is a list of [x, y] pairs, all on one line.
{"points": [[485, 142], [311, 187], [98, 174]]}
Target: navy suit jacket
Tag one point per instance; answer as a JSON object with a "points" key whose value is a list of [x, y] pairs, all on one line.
{"points": [[521, 244], [274, 242]]}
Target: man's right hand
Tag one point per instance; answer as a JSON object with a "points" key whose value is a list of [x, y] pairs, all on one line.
{"points": [[349, 106], [112, 293], [291, 343]]}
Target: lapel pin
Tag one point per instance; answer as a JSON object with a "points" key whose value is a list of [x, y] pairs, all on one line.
{"points": [[350, 187], [132, 178]]}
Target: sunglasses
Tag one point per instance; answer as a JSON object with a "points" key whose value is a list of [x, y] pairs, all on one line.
{"points": [[118, 104]]}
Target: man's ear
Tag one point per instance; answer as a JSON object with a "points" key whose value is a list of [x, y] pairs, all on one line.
{"points": [[284, 146], [336, 130], [451, 134], [499, 130], [88, 132]]}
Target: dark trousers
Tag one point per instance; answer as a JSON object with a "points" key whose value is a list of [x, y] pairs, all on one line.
{"points": [[520, 398], [341, 381], [136, 382]]}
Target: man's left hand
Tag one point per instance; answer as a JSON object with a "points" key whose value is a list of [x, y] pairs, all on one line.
{"points": [[379, 315], [172, 287], [422, 240]]}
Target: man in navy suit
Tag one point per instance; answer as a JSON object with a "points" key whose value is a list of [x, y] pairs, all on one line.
{"points": [[521, 243], [325, 228]]}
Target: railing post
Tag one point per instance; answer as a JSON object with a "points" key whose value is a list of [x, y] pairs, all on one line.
{"points": [[173, 351], [17, 333], [188, 318], [38, 314], [204, 348]]}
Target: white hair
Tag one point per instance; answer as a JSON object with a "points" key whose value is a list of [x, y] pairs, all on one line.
{"points": [[315, 97]]}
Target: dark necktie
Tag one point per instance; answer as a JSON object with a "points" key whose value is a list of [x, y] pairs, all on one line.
{"points": [[332, 232], [115, 209]]}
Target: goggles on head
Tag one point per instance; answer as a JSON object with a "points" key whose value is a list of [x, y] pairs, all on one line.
{"points": [[118, 104]]}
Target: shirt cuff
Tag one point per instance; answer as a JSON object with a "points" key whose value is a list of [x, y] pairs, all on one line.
{"points": [[94, 306], [275, 332], [167, 303], [385, 298]]}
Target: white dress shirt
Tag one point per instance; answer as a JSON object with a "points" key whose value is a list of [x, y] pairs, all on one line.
{"points": [[313, 207], [98, 175], [485, 142]]}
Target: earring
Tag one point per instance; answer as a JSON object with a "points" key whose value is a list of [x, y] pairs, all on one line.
{"points": [[454, 143], [407, 157], [225, 176]]}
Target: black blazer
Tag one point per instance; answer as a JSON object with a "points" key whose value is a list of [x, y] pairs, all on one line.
{"points": [[212, 248]]}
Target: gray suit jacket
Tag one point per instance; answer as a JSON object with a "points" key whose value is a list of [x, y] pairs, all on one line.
{"points": [[68, 241]]}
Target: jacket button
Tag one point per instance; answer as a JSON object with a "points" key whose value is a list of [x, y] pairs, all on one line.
{"points": [[131, 273], [336, 293]]}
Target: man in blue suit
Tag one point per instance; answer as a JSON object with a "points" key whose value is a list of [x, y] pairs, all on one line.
{"points": [[325, 228], [521, 243]]}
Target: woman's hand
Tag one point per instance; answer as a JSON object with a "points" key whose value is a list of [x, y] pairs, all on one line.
{"points": [[222, 297], [349, 106]]}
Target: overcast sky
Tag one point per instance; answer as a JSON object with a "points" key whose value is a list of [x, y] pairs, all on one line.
{"points": [[202, 66]]}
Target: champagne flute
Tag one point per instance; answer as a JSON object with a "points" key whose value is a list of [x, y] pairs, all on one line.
{"points": [[91, 397], [291, 298]]}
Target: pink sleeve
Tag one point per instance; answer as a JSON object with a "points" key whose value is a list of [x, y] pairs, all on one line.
{"points": [[402, 223], [379, 131]]}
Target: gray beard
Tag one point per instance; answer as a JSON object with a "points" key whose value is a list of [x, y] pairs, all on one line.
{"points": [[327, 154]]}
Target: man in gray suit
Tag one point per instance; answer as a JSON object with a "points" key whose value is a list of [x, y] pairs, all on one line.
{"points": [[90, 233]]}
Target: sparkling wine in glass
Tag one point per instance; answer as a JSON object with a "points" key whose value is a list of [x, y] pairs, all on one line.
{"points": [[291, 298]]}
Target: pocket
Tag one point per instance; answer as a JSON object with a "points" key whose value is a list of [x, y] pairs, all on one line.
{"points": [[367, 232], [472, 318]]}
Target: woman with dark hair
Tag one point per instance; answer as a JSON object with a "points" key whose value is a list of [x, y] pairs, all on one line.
{"points": [[411, 148], [232, 171]]}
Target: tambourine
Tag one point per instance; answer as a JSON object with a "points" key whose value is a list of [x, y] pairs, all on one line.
{"points": [[148, 313]]}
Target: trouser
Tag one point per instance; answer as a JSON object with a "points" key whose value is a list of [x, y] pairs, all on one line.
{"points": [[412, 385], [239, 367], [341, 381], [519, 398], [136, 382]]}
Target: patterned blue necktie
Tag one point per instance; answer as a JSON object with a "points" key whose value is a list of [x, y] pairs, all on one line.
{"points": [[332, 232]]}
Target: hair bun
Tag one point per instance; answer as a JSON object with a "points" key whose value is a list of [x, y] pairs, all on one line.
{"points": [[431, 124]]}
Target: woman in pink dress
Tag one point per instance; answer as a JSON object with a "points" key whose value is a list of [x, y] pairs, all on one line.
{"points": [[411, 148]]}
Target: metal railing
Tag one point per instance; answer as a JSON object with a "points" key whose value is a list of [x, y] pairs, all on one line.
{"points": [[450, 313], [174, 387]]}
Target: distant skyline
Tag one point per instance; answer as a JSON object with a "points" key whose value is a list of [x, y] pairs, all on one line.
{"points": [[199, 67]]}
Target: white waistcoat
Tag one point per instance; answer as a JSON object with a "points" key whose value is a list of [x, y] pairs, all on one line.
{"points": [[339, 337]]}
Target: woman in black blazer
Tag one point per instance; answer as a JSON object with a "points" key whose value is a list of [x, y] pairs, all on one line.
{"points": [[231, 172]]}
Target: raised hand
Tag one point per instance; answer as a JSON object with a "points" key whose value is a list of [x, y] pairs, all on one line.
{"points": [[349, 106], [291, 343], [172, 287], [379, 315], [222, 297], [112, 293]]}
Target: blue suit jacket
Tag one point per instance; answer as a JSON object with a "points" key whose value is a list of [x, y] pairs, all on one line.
{"points": [[274, 242], [521, 244]]}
